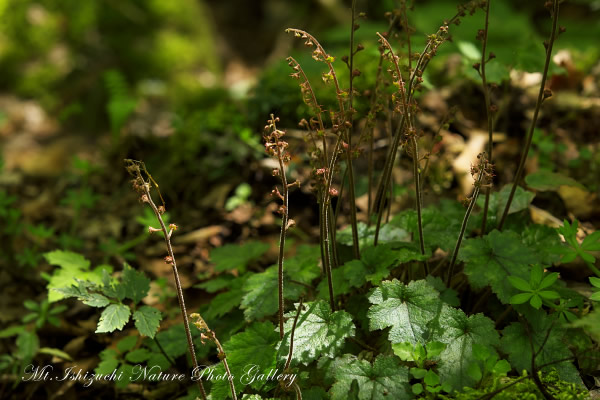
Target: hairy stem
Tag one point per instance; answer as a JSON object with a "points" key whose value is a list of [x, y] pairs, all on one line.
{"points": [[463, 227], [148, 198], [488, 111], [291, 351], [538, 106], [349, 118]]}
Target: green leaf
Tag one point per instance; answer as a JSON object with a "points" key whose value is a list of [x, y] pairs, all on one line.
{"points": [[31, 305], [417, 388], [548, 280], [234, 256], [439, 229], [319, 332], [520, 298], [385, 379], [378, 262], [469, 50], [595, 296], [73, 266], [591, 242], [95, 300], [434, 349], [11, 331], [536, 276], [544, 241], [404, 351], [137, 356], [461, 333], [519, 283], [173, 341], [418, 373], [127, 343], [125, 371], [590, 323], [108, 362], [27, 346], [535, 301], [516, 343], [521, 200], [261, 291], [448, 296], [304, 265], [431, 378], [502, 367], [224, 302], [114, 317], [256, 346], [544, 180], [147, 320], [491, 259], [407, 309], [595, 282], [549, 294], [55, 352], [135, 284]]}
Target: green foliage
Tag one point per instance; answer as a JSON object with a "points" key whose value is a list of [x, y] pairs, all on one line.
{"points": [[132, 285], [382, 379], [407, 309], [42, 313], [543, 180], [584, 250], [319, 332], [548, 339], [534, 289], [256, 346], [596, 283], [491, 259], [121, 103], [72, 266], [230, 256]]}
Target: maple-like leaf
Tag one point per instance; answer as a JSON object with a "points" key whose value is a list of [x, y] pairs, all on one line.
{"points": [[407, 309]]}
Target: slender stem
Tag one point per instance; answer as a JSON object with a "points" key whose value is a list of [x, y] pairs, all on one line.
{"points": [[538, 106], [291, 351], [186, 323], [349, 119], [430, 49], [385, 179], [225, 364], [593, 268], [418, 199], [164, 353], [297, 390], [534, 374], [284, 221], [465, 221], [488, 111]]}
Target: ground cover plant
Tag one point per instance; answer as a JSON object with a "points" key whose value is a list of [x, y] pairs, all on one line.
{"points": [[358, 277]]}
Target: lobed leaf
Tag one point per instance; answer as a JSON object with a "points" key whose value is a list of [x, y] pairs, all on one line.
{"points": [[407, 309], [319, 332], [385, 379], [491, 259]]}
